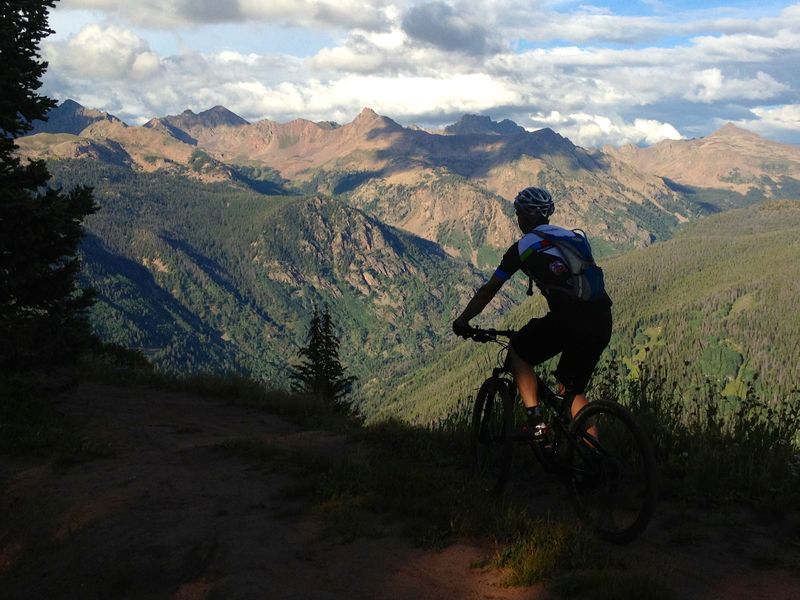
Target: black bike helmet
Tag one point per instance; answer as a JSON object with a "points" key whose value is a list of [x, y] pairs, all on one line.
{"points": [[535, 202]]}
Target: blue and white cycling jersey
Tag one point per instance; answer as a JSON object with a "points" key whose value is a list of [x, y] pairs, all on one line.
{"points": [[541, 260]]}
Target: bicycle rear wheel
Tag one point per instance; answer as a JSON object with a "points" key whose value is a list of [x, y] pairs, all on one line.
{"points": [[613, 477], [491, 443]]}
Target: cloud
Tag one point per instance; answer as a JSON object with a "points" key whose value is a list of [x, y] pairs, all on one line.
{"points": [[176, 14], [104, 53], [710, 85], [543, 22], [409, 96], [597, 27], [454, 29], [434, 60], [784, 115], [113, 69], [748, 46], [773, 121], [593, 130], [343, 99], [365, 53]]}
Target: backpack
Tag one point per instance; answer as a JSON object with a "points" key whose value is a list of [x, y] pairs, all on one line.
{"points": [[586, 280]]}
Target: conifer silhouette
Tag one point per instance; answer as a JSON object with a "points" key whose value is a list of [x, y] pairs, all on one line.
{"points": [[41, 308], [320, 371]]}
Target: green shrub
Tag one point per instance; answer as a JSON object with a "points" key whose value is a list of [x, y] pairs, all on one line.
{"points": [[711, 446]]}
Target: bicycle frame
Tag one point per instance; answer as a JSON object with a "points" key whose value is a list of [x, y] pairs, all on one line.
{"points": [[559, 405]]}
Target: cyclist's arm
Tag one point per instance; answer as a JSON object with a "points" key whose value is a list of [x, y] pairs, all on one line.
{"points": [[482, 297]]}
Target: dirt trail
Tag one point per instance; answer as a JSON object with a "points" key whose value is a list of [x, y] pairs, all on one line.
{"points": [[169, 517]]}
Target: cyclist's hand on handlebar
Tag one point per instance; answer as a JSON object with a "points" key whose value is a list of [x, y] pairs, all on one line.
{"points": [[461, 328]]}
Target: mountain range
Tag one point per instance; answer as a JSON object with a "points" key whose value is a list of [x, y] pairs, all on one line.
{"points": [[217, 237], [451, 187], [443, 187]]}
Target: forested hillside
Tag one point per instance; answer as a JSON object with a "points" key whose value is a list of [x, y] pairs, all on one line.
{"points": [[722, 297], [218, 277], [716, 303]]}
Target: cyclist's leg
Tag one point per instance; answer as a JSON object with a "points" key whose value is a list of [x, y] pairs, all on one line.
{"points": [[525, 378], [579, 400], [587, 339], [534, 343]]}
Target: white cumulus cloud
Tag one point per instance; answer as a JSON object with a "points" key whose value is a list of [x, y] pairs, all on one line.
{"points": [[594, 130], [103, 53], [710, 85], [773, 121], [787, 114]]}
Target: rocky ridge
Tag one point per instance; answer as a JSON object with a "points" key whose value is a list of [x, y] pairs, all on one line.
{"points": [[453, 189], [731, 159]]}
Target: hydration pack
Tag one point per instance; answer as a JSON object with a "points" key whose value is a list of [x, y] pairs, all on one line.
{"points": [[586, 280]]}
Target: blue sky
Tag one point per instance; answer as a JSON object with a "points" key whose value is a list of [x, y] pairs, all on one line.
{"points": [[598, 72]]}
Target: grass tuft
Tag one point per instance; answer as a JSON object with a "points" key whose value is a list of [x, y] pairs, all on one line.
{"points": [[545, 548]]}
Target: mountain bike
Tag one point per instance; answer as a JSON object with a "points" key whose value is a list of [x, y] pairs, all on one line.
{"points": [[602, 455]]}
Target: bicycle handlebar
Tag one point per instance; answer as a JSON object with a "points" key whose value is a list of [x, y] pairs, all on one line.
{"points": [[489, 335]]}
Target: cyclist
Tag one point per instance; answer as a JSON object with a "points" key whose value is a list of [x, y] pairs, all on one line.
{"points": [[577, 328]]}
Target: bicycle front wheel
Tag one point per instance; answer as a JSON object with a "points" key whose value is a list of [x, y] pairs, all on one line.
{"points": [[613, 480], [491, 443]]}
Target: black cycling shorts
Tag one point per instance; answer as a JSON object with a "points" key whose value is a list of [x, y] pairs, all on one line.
{"points": [[579, 336]]}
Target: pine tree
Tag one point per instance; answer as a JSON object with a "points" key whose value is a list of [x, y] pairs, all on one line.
{"points": [[307, 376], [320, 372], [41, 309]]}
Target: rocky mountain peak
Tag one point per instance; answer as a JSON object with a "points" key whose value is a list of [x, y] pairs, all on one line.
{"points": [[71, 117], [223, 116], [328, 124], [731, 130], [482, 124], [367, 114], [70, 105], [369, 119], [171, 130], [218, 116], [550, 141]]}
